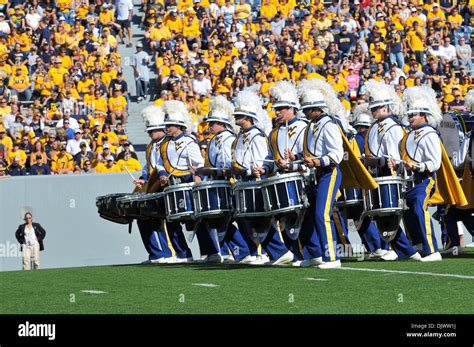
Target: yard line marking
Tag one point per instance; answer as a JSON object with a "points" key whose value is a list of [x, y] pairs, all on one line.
{"points": [[410, 272], [315, 279], [93, 291], [208, 285]]}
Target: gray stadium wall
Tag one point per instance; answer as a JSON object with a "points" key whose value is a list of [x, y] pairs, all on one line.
{"points": [[65, 207]]}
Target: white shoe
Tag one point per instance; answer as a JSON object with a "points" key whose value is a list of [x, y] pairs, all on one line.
{"points": [[153, 261], [455, 250], [296, 263], [261, 260], [228, 259], [139, 99], [377, 254], [330, 265], [215, 259], [389, 256], [432, 257], [415, 256], [170, 260], [248, 259], [286, 258], [312, 262], [183, 260]]}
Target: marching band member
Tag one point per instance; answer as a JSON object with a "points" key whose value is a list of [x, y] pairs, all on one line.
{"points": [[286, 141], [382, 141], [154, 237], [421, 152], [454, 214], [250, 149], [365, 227], [180, 156], [219, 156], [323, 150]]}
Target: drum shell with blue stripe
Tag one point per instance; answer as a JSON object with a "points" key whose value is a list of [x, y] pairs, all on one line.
{"points": [[350, 197], [387, 199], [284, 193], [249, 200], [213, 199], [179, 202]]}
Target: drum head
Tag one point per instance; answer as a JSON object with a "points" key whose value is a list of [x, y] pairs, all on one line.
{"points": [[452, 133]]}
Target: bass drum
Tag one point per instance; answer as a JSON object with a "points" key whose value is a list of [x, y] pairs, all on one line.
{"points": [[452, 132]]}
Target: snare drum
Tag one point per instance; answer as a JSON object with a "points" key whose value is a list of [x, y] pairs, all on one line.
{"points": [[249, 199], [128, 205], [152, 205], [179, 202], [212, 199], [283, 193], [387, 199], [350, 197], [107, 208]]}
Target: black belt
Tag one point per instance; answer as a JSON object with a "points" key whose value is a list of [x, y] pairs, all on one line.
{"points": [[419, 177], [322, 170]]}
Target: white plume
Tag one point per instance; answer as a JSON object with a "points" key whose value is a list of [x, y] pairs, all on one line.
{"points": [[423, 96], [382, 91], [153, 115], [177, 110], [248, 100], [360, 110], [285, 91], [469, 101], [334, 105], [221, 106]]}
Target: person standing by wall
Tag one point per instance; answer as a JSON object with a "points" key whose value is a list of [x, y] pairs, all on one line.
{"points": [[30, 235]]}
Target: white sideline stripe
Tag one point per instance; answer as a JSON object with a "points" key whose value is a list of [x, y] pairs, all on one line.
{"points": [[93, 291], [315, 279], [409, 272], [208, 285]]}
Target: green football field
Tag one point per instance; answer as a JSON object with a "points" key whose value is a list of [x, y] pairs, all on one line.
{"points": [[400, 287]]}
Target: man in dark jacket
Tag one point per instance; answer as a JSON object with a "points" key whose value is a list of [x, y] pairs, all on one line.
{"points": [[30, 235]]}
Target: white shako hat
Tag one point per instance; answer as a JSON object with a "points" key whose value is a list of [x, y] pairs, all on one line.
{"points": [[176, 113], [284, 93], [423, 100], [362, 116], [221, 110], [154, 117]]}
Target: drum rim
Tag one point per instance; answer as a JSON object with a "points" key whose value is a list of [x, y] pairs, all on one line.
{"points": [[178, 187], [247, 185], [150, 196], [203, 186], [283, 177], [388, 179]]}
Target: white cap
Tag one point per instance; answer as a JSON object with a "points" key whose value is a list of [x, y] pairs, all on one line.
{"points": [[105, 146], [200, 72], [62, 18], [413, 9], [363, 120]]}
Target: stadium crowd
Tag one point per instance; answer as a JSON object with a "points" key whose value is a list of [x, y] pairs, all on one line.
{"points": [[64, 100]]}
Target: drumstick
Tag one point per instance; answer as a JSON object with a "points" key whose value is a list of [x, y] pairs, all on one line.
{"points": [[399, 160], [302, 160], [133, 178]]}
